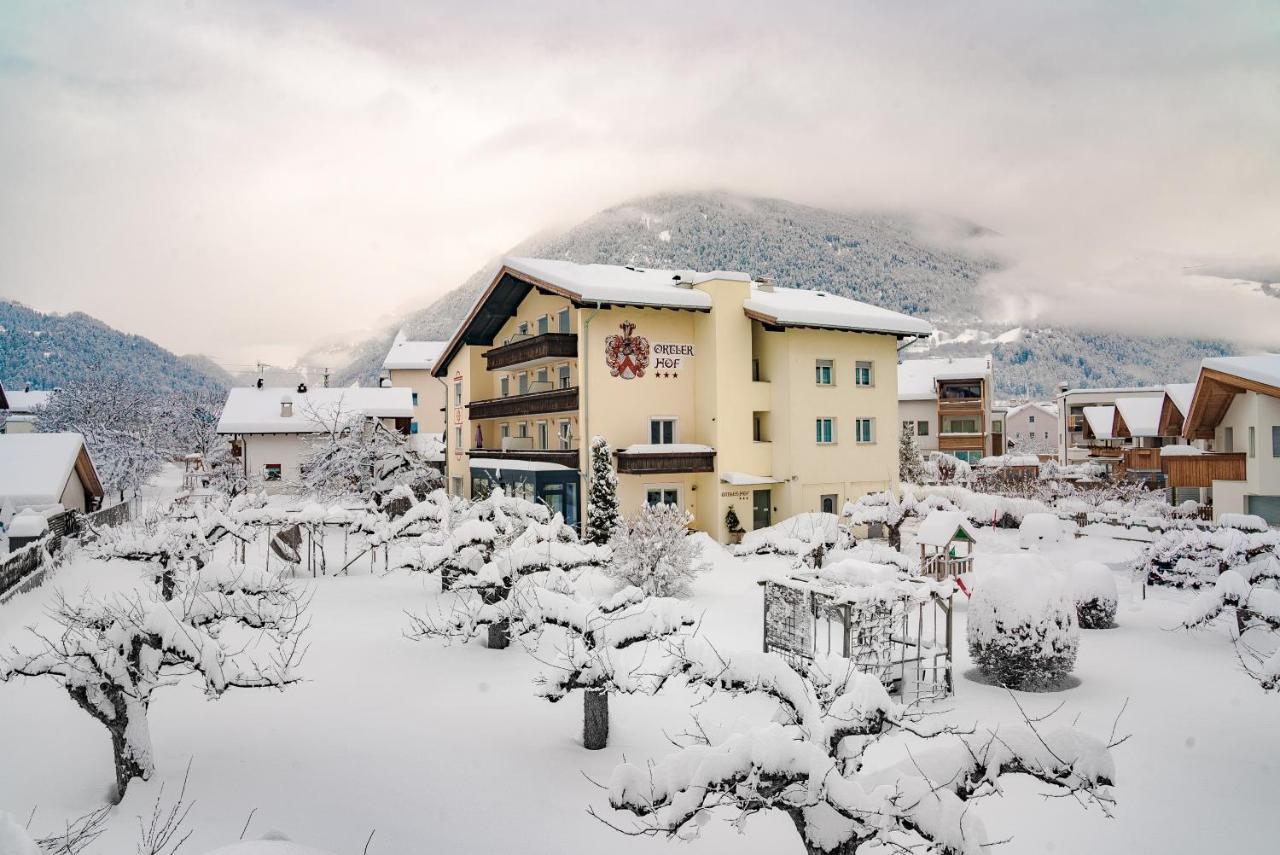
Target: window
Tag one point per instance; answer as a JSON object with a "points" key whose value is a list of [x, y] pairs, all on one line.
{"points": [[864, 430], [1031, 420], [863, 375], [542, 375], [413, 426], [415, 399], [757, 430], [828, 503], [662, 431], [524, 384], [823, 371], [960, 426], [504, 430], [997, 426], [522, 429], [504, 386], [457, 486], [662, 496], [522, 329], [565, 433], [825, 431], [755, 370], [564, 321], [961, 391], [1228, 439], [457, 437], [922, 427], [544, 325], [1252, 444], [457, 393], [544, 437], [968, 456], [271, 472], [563, 372], [1275, 440]]}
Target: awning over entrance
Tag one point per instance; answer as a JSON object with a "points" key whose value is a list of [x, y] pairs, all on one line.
{"points": [[746, 479]]}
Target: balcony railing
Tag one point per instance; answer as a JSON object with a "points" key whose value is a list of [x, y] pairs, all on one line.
{"points": [[563, 457], [537, 348], [1201, 470], [531, 404], [657, 462]]}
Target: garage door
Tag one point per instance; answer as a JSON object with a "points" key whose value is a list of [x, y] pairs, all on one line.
{"points": [[1267, 507]]}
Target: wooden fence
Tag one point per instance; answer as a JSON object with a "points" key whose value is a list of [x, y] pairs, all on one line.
{"points": [[22, 566]]}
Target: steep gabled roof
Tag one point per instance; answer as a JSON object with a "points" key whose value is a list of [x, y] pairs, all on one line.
{"points": [[256, 410], [1100, 421], [406, 354], [1221, 379], [1137, 417], [36, 467]]}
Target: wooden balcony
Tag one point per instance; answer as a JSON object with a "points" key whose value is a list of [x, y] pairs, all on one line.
{"points": [[1106, 451], [562, 457], [665, 462], [1142, 459], [963, 406], [961, 441], [531, 404], [1201, 470], [532, 350]]}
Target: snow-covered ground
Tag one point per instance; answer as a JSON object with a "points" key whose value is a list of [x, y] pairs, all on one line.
{"points": [[441, 748]]}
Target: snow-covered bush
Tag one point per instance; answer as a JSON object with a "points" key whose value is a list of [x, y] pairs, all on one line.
{"points": [[1022, 628], [1243, 522], [1093, 587], [603, 516], [1252, 591], [943, 468], [884, 508], [357, 457], [797, 535], [807, 761], [1194, 557], [652, 551], [1039, 530], [982, 508]]}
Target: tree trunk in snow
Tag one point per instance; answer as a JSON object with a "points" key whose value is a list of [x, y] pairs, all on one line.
{"points": [[499, 635], [849, 847], [895, 536], [595, 719], [168, 582], [131, 748]]}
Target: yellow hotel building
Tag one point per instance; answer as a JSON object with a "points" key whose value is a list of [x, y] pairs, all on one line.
{"points": [[713, 390]]}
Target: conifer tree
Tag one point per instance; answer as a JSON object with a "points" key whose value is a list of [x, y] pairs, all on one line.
{"points": [[603, 517], [910, 461]]}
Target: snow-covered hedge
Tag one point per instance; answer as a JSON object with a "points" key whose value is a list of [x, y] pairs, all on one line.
{"points": [[1193, 558], [1093, 587], [796, 535], [982, 508], [1039, 530], [1022, 627]]}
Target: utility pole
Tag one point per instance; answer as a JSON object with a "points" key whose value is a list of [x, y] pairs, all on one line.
{"points": [[326, 378]]}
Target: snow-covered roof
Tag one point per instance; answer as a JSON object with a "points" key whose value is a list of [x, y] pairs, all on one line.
{"points": [[1263, 368], [407, 354], [804, 308], [1003, 460], [256, 410], [517, 465], [1180, 451], [629, 285], [1141, 415], [1181, 395], [918, 378], [34, 467], [746, 479], [26, 402], [1100, 420], [667, 448], [940, 527], [1111, 390]]}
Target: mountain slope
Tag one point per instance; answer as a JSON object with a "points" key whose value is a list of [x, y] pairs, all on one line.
{"points": [[903, 263], [48, 350]]}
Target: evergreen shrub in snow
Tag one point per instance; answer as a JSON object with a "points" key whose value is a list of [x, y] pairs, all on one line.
{"points": [[1093, 587], [652, 551], [1022, 628], [910, 461], [603, 516]]}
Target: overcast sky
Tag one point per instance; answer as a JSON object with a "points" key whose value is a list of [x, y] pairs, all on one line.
{"points": [[249, 179]]}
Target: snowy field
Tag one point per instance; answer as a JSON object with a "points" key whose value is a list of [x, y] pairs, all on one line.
{"points": [[445, 748]]}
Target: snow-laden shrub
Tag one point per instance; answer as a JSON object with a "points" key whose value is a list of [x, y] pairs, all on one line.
{"points": [[1193, 557], [1093, 587], [1039, 530], [796, 535], [653, 552], [982, 508], [943, 468], [1243, 522], [1022, 628]]}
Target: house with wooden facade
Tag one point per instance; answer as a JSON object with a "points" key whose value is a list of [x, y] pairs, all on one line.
{"points": [[949, 403], [1087, 423], [714, 390], [1236, 406]]}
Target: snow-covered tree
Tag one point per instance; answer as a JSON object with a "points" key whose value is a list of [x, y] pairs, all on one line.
{"points": [[112, 655], [910, 461], [1252, 592], [943, 468], [1093, 587], [170, 543], [886, 509], [1022, 628], [122, 424], [356, 456], [603, 516], [652, 551], [808, 762], [1194, 558]]}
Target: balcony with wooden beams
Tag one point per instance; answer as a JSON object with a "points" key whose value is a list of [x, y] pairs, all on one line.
{"points": [[558, 456], [669, 460], [1201, 470], [527, 351], [529, 404]]}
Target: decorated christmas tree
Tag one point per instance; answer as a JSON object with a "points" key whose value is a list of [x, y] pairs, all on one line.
{"points": [[603, 518]]}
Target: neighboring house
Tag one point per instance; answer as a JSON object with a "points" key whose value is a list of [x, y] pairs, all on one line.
{"points": [[46, 470], [1087, 419], [409, 364], [1236, 405], [949, 402], [270, 427], [18, 410], [1032, 428], [713, 390]]}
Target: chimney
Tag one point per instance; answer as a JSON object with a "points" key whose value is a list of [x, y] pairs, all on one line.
{"points": [[286, 407], [260, 383]]}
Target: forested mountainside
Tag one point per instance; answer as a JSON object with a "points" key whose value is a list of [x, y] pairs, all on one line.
{"points": [[903, 263], [49, 350]]}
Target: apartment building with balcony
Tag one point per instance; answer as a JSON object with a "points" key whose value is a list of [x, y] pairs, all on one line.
{"points": [[1087, 420], [408, 365], [949, 403], [713, 390]]}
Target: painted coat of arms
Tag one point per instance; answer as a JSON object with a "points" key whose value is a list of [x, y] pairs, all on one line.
{"points": [[626, 355]]}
